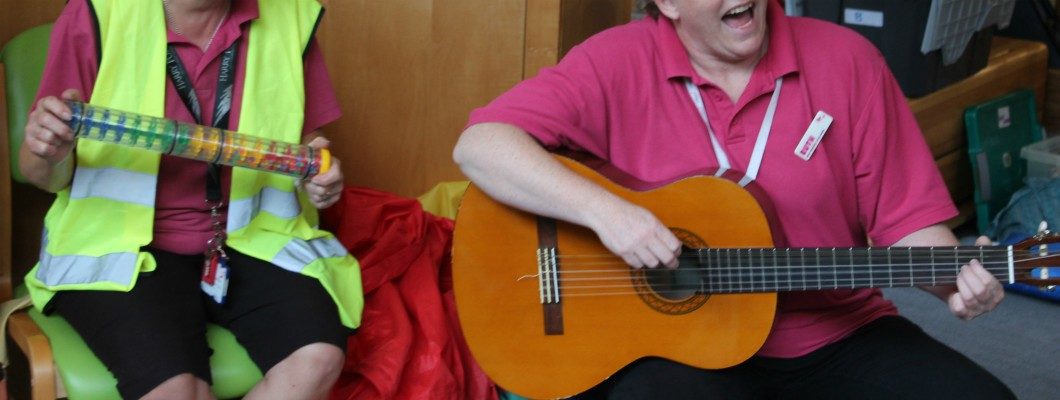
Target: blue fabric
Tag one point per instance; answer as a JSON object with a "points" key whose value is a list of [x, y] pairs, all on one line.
{"points": [[1038, 201]]}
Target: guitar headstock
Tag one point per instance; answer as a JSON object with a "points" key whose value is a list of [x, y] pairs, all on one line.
{"points": [[1035, 263]]}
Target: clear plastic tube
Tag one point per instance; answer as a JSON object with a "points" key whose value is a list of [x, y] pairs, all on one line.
{"points": [[196, 142]]}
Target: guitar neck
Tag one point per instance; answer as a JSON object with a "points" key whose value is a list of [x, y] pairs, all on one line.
{"points": [[746, 270]]}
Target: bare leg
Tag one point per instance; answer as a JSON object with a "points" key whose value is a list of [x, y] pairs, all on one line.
{"points": [[308, 373], [183, 386]]}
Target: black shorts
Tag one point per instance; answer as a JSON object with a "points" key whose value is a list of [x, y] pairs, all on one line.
{"points": [[158, 329], [889, 358]]}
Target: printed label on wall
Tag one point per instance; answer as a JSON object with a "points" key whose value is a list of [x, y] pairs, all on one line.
{"points": [[856, 16]]}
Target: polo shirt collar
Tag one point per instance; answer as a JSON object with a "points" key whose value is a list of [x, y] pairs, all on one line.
{"points": [[779, 60], [242, 11]]}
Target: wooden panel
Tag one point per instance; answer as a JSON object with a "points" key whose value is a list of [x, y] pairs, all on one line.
{"points": [[1014, 64], [965, 213], [29, 338], [956, 170], [5, 197], [29, 205], [542, 35], [19, 15], [408, 73], [553, 27], [583, 18], [1051, 115]]}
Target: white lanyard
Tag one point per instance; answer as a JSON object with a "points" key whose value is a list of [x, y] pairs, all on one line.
{"points": [[763, 133]]}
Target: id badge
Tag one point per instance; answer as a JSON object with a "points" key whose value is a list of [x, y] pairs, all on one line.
{"points": [[813, 136], [215, 277]]}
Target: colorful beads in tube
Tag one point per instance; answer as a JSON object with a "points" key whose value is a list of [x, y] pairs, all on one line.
{"points": [[197, 142]]}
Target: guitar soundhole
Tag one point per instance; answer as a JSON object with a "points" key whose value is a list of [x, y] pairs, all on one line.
{"points": [[673, 291]]}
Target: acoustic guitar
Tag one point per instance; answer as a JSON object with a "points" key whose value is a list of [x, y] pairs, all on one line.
{"points": [[549, 312]]}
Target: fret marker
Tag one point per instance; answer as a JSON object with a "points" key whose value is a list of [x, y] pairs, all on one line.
{"points": [[1011, 267]]}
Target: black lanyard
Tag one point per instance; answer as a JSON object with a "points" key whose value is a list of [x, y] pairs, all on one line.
{"points": [[222, 103]]}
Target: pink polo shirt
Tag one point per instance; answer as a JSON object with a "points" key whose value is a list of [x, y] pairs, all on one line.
{"points": [[182, 220], [620, 98]]}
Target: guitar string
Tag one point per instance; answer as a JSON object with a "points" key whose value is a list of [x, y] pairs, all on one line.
{"points": [[868, 265], [846, 284], [610, 259], [751, 281], [744, 279], [746, 283], [579, 291], [620, 267], [718, 292], [1001, 265], [724, 280], [566, 292], [744, 289], [881, 252]]}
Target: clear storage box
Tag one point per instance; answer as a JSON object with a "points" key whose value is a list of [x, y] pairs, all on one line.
{"points": [[1043, 158]]}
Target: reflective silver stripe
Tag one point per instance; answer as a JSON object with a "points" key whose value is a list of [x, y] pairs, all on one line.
{"points": [[73, 269], [298, 253], [277, 202], [114, 184]]}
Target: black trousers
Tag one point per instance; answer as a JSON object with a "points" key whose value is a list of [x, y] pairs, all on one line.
{"points": [[890, 358]]}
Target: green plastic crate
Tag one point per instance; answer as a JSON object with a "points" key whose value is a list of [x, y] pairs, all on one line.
{"points": [[997, 130]]}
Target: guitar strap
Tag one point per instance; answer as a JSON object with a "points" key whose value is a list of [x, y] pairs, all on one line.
{"points": [[760, 144]]}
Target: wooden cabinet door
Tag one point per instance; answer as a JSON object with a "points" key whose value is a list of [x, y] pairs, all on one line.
{"points": [[409, 72]]}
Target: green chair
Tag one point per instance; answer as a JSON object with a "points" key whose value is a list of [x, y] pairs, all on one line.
{"points": [[51, 346]]}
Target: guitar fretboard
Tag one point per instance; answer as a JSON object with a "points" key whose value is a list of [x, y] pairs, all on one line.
{"points": [[792, 269]]}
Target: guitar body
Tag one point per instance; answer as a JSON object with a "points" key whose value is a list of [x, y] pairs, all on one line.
{"points": [[526, 350]]}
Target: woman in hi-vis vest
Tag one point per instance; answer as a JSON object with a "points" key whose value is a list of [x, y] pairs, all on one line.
{"points": [[141, 250]]}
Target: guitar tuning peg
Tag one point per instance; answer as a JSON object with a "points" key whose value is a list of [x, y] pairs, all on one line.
{"points": [[1041, 236]]}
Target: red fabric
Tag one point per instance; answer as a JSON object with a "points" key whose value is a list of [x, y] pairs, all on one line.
{"points": [[409, 345]]}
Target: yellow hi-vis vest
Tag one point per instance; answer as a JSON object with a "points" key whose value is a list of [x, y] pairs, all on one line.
{"points": [[95, 230]]}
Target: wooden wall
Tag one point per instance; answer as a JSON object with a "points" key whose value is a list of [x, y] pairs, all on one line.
{"points": [[5, 204], [407, 73], [19, 15]]}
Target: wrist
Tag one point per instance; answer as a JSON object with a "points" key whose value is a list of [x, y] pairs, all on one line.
{"points": [[600, 211], [61, 174], [62, 162]]}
